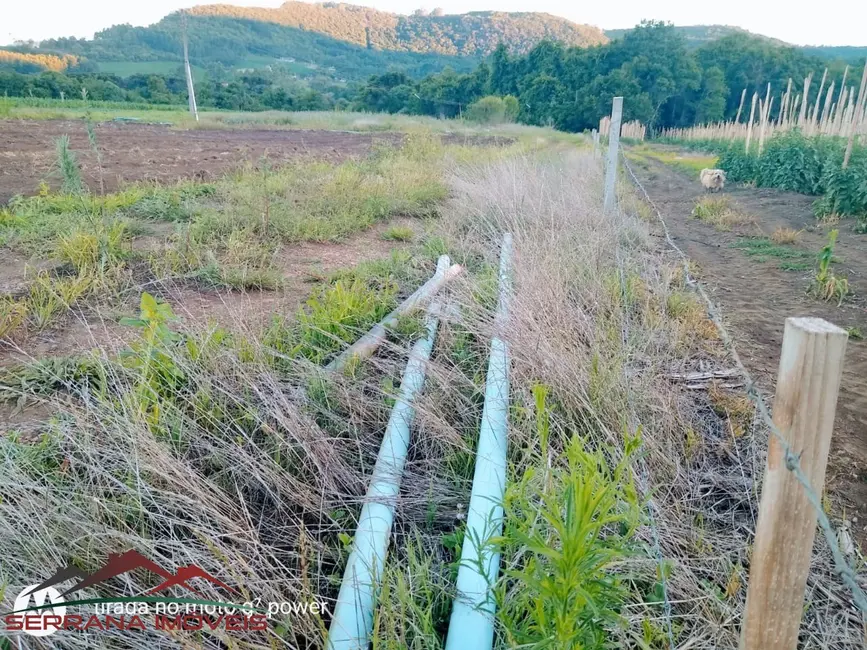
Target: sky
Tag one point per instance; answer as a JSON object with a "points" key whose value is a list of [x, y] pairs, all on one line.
{"points": [[40, 19]]}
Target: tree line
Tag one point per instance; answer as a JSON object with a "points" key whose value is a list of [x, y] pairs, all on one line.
{"points": [[665, 83], [249, 92]]}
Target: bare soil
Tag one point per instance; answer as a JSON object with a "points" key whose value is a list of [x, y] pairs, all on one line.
{"points": [[302, 265], [756, 297], [152, 152], [97, 329]]}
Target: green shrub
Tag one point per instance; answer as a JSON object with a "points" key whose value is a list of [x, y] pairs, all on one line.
{"points": [[335, 316], [567, 528], [398, 233], [95, 249], [493, 110]]}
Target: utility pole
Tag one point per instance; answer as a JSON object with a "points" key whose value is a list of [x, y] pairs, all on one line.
{"points": [[190, 90]]}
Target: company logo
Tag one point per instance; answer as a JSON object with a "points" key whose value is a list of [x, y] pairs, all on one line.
{"points": [[120, 563], [38, 596], [41, 610]]}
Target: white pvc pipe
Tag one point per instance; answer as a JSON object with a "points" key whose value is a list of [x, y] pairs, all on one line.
{"points": [[472, 622], [367, 344], [353, 615]]}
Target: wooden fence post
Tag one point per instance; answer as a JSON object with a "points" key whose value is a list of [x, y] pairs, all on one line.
{"points": [[613, 146], [808, 380]]}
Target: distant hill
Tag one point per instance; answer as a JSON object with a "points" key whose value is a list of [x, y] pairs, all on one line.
{"points": [[471, 34], [698, 35], [335, 41], [236, 44], [848, 53]]}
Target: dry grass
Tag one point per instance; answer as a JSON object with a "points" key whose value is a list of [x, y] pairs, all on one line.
{"points": [[254, 464], [599, 319], [786, 236], [719, 212]]}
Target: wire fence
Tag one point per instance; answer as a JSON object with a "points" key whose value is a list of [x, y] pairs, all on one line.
{"points": [[841, 565], [643, 474]]}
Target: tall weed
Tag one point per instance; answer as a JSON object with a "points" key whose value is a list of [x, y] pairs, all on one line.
{"points": [[67, 165], [570, 526]]}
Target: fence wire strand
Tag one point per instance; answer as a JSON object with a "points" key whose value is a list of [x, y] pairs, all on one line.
{"points": [[793, 461], [643, 473]]}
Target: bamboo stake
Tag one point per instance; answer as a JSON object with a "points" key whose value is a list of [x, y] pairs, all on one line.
{"points": [[788, 98], [750, 124], [818, 101], [859, 113], [804, 100], [764, 127], [824, 119], [843, 86], [842, 111], [808, 381], [741, 105]]}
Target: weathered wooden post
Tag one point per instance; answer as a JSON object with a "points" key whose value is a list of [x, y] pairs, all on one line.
{"points": [[808, 381], [595, 134], [613, 146]]}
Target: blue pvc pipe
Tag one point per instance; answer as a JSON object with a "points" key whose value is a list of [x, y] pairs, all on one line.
{"points": [[353, 614], [472, 622]]}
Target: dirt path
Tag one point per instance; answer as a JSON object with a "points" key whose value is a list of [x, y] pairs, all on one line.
{"points": [[757, 296]]}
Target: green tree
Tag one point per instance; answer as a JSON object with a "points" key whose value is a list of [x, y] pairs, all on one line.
{"points": [[711, 106]]}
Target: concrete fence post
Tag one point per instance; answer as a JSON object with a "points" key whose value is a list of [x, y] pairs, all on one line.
{"points": [[613, 147]]}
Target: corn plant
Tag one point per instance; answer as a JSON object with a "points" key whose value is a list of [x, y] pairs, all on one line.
{"points": [[826, 284]]}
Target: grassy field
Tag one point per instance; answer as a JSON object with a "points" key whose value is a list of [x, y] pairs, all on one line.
{"points": [[228, 445], [52, 109]]}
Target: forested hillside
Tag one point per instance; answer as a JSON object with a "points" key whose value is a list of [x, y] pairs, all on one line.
{"points": [[28, 62], [234, 42], [698, 35], [664, 81], [338, 41], [473, 34]]}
